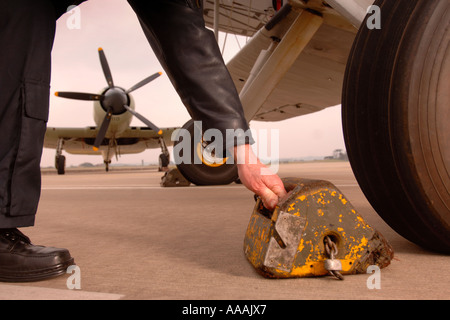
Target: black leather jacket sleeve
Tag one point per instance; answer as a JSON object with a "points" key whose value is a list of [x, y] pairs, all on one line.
{"points": [[62, 5], [189, 53]]}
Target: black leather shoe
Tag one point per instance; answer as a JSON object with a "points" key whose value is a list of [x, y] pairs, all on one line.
{"points": [[21, 261]]}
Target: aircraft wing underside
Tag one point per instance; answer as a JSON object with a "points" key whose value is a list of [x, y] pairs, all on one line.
{"points": [[81, 140], [313, 82]]}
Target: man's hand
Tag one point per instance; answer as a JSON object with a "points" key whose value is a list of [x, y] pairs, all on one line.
{"points": [[257, 177]]}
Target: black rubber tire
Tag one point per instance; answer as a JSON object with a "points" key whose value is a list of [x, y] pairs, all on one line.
{"points": [[396, 115], [199, 173], [61, 165], [163, 162]]}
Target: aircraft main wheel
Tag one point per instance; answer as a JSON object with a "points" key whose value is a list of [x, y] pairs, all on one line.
{"points": [[163, 162], [201, 170], [396, 115], [61, 164]]}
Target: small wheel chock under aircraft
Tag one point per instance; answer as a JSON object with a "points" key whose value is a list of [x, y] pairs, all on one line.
{"points": [[174, 178]]}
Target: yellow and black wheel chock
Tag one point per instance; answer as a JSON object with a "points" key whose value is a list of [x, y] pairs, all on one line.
{"points": [[314, 231]]}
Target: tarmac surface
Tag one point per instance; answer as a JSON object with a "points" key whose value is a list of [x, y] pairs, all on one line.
{"points": [[133, 239]]}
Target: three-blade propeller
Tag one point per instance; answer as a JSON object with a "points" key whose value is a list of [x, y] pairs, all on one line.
{"points": [[113, 100]]}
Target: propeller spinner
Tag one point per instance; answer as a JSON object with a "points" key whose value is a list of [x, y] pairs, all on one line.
{"points": [[114, 100]]}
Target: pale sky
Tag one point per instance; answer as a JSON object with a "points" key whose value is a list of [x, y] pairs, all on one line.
{"points": [[112, 25]]}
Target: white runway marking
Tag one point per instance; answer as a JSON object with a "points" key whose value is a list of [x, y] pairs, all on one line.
{"points": [[118, 187], [131, 187], [14, 292]]}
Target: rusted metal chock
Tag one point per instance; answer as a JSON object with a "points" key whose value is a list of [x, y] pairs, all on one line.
{"points": [[291, 241], [174, 178]]}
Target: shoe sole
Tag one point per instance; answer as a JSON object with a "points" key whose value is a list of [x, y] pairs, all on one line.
{"points": [[36, 275]]}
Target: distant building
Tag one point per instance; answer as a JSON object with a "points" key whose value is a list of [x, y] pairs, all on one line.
{"points": [[338, 154]]}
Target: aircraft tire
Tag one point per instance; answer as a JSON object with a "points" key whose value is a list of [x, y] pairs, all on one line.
{"points": [[196, 170], [61, 165], [395, 110], [163, 161]]}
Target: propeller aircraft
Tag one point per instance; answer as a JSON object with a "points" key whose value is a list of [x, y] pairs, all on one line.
{"points": [[114, 108]]}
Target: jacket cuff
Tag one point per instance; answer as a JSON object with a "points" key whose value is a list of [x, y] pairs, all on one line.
{"points": [[238, 137]]}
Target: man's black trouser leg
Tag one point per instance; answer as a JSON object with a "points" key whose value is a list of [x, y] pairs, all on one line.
{"points": [[27, 29], [191, 57], [176, 32]]}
